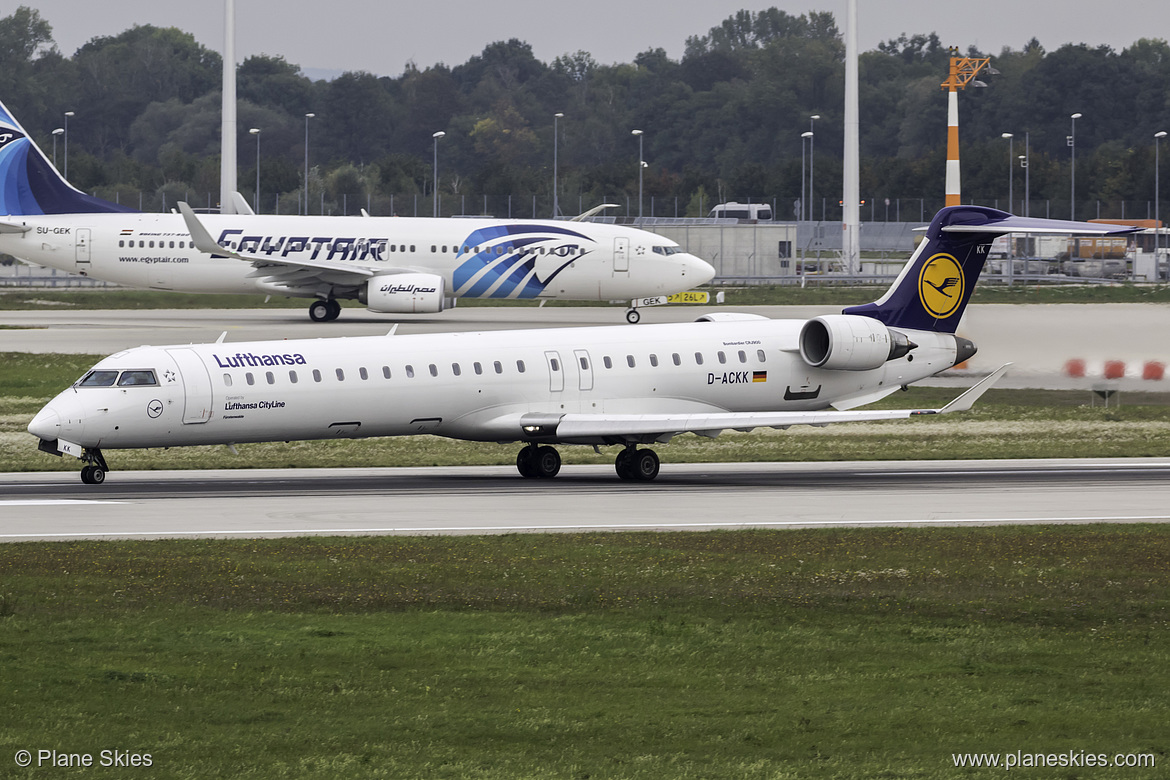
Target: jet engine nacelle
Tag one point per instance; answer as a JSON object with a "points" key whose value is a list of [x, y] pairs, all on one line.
{"points": [[404, 294], [850, 343]]}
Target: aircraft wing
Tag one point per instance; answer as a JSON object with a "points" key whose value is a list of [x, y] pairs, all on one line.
{"points": [[648, 427], [337, 273]]}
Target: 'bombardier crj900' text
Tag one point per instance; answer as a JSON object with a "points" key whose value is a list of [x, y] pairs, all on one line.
{"points": [[591, 386], [396, 265]]}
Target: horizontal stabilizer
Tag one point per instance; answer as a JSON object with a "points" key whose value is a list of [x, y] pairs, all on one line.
{"points": [[1013, 224]]}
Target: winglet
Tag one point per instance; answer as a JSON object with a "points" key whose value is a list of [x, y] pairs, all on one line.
{"points": [[964, 402], [241, 205], [203, 240]]}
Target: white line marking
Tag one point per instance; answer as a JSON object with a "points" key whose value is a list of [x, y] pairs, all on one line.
{"points": [[607, 527], [52, 502]]}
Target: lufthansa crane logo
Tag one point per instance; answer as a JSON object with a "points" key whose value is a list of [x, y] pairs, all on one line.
{"points": [[940, 285]]}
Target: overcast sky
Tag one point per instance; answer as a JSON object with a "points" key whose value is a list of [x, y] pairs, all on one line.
{"points": [[380, 36]]}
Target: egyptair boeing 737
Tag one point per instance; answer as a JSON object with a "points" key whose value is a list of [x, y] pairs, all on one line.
{"points": [[397, 265], [591, 386]]}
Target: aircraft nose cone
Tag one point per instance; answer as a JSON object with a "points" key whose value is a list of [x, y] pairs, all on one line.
{"points": [[46, 425], [699, 271]]}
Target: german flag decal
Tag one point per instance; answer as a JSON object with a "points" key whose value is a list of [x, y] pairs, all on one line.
{"points": [[759, 376]]}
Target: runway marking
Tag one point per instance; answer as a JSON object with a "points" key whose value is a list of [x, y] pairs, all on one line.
{"points": [[604, 526], [52, 502]]}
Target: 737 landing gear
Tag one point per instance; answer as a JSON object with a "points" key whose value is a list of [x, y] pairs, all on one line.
{"points": [[94, 472], [538, 462], [324, 311], [636, 465]]}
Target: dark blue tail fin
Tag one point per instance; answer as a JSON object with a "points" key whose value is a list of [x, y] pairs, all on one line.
{"points": [[933, 289], [30, 185]]}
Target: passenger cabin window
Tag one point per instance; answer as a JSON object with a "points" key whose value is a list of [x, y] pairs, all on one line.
{"points": [[455, 366], [630, 361], [478, 368], [386, 371], [316, 375], [520, 366], [608, 363], [762, 357], [340, 375], [434, 369], [270, 377], [251, 379], [363, 373], [584, 363], [499, 367], [227, 380], [135, 378], [676, 359], [698, 358], [554, 364], [654, 361], [742, 356], [722, 357], [292, 377], [410, 372]]}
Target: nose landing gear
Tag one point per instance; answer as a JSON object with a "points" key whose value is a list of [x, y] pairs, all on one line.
{"points": [[94, 472]]}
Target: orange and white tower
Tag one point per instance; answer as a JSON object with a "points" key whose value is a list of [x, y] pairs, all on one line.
{"points": [[963, 72]]}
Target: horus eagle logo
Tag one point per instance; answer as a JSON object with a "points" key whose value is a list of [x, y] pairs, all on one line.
{"points": [[940, 285]]}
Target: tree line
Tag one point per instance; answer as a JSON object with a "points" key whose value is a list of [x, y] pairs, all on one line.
{"points": [[724, 122]]}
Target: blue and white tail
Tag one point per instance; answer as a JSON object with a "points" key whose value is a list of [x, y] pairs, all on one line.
{"points": [[30, 185], [933, 289]]}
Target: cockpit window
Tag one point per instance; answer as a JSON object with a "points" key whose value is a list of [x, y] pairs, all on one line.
{"points": [[135, 378], [666, 250], [99, 379]]}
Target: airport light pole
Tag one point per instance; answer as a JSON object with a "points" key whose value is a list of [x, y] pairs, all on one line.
{"points": [[66, 131], [1072, 143], [641, 165], [1024, 159], [256, 132], [307, 118], [556, 201], [436, 137], [812, 120], [1157, 224], [1011, 157], [805, 137], [56, 133]]}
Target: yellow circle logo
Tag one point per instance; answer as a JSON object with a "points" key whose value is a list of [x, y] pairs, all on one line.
{"points": [[940, 285]]}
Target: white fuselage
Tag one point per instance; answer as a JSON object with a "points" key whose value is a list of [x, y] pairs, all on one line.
{"points": [[475, 386], [528, 258]]}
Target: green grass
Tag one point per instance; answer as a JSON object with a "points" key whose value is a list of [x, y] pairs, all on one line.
{"points": [[756, 295], [756, 654], [1005, 424]]}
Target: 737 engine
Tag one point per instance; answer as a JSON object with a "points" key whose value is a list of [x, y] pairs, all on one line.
{"points": [[404, 294], [850, 343]]}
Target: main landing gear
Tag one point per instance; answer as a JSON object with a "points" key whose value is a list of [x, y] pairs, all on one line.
{"points": [[324, 311], [94, 472], [632, 464]]}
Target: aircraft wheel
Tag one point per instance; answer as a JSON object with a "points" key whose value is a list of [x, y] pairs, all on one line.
{"points": [[622, 464], [93, 475], [644, 465], [526, 462], [319, 311], [334, 310], [548, 462], [632, 316]]}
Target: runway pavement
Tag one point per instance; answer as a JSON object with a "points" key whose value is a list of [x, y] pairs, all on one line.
{"points": [[480, 500]]}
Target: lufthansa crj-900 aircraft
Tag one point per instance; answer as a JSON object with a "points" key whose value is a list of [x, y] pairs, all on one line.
{"points": [[591, 386], [395, 265]]}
